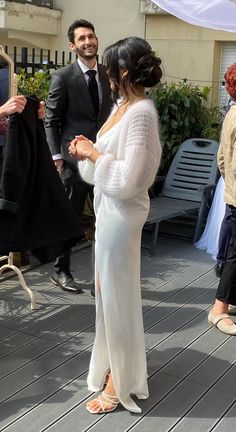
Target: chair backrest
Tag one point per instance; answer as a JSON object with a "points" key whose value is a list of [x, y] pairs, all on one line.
{"points": [[194, 165]]}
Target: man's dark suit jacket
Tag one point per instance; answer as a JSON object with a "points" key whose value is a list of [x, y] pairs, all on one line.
{"points": [[70, 110]]}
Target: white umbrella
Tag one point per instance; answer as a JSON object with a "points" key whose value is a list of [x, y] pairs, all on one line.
{"points": [[215, 14]]}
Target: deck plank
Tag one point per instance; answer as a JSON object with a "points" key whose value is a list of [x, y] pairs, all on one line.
{"points": [[44, 355]]}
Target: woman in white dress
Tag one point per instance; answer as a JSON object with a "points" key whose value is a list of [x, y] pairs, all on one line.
{"points": [[122, 165]]}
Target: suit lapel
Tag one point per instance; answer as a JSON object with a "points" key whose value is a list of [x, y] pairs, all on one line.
{"points": [[83, 87], [84, 91]]}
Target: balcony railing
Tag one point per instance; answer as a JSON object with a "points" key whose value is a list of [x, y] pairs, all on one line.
{"points": [[42, 3]]}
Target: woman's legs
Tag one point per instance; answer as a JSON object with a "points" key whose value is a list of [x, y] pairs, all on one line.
{"points": [[220, 308], [226, 293]]}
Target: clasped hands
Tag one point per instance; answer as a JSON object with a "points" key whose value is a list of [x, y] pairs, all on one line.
{"points": [[82, 148]]}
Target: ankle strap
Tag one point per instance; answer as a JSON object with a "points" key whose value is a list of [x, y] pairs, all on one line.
{"points": [[112, 399]]}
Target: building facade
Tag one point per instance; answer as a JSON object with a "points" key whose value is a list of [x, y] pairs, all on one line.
{"points": [[195, 54], [44, 23]]}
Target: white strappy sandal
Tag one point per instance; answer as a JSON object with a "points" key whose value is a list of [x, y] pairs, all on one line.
{"points": [[105, 399]]}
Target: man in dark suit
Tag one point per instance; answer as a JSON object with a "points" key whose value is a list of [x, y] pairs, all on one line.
{"points": [[79, 102]]}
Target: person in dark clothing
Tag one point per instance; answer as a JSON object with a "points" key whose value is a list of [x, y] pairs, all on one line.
{"points": [[15, 104], [79, 102], [35, 213]]}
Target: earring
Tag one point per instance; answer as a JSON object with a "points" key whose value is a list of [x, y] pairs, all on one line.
{"points": [[124, 74]]}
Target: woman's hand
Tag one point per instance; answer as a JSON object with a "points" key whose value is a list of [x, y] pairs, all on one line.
{"points": [[82, 148], [13, 105], [73, 152]]}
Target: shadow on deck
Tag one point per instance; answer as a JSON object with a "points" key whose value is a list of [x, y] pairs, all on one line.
{"points": [[44, 355]]}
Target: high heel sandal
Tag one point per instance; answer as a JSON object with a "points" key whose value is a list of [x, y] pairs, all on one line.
{"points": [[106, 380], [105, 399]]}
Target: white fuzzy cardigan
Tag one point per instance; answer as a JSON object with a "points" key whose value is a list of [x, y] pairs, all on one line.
{"points": [[129, 165]]}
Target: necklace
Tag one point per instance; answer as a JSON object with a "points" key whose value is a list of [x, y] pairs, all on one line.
{"points": [[115, 118], [122, 107]]}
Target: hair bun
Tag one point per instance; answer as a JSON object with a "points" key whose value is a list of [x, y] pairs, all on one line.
{"points": [[147, 71]]}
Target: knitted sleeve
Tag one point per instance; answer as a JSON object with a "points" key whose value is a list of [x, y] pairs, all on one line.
{"points": [[125, 178], [86, 170]]}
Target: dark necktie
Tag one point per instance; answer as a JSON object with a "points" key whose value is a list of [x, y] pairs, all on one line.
{"points": [[93, 89]]}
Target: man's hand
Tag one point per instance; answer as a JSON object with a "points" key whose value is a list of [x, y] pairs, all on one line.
{"points": [[41, 110], [58, 164]]}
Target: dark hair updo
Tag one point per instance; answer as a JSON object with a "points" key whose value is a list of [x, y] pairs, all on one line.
{"points": [[134, 55]]}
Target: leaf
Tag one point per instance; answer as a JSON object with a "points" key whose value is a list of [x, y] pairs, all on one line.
{"points": [[174, 124]]}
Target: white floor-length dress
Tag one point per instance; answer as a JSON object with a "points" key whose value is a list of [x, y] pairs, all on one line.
{"points": [[131, 155]]}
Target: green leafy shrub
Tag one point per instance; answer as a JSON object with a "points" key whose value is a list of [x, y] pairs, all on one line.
{"points": [[182, 110], [214, 119], [183, 114], [38, 84]]}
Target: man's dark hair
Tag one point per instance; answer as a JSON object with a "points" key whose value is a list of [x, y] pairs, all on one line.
{"points": [[75, 25]]}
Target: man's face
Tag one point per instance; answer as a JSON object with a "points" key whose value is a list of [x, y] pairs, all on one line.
{"points": [[85, 43]]}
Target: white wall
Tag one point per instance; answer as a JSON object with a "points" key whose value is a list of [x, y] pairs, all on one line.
{"points": [[113, 20]]}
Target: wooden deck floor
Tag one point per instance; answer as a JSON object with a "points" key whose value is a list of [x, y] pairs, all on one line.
{"points": [[44, 355]]}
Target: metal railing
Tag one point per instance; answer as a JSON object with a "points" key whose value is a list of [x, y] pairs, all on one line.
{"points": [[32, 59]]}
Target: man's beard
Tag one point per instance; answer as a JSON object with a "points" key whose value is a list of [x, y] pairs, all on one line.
{"points": [[83, 54]]}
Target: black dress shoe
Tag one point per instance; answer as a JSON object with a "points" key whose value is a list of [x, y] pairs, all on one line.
{"points": [[219, 267], [66, 282]]}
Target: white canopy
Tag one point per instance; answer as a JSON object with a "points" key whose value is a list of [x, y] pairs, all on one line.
{"points": [[215, 14]]}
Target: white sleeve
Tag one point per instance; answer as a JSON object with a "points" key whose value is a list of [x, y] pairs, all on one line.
{"points": [[123, 179], [86, 170]]}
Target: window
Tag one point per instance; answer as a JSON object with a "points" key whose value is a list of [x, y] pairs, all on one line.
{"points": [[43, 3], [228, 57]]}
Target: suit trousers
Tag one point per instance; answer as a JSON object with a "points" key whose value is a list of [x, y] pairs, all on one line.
{"points": [[224, 237], [226, 292], [77, 191]]}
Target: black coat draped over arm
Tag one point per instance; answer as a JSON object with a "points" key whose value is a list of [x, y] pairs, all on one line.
{"points": [[34, 209]]}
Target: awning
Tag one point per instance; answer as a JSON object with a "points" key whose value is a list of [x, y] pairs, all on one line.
{"points": [[214, 14]]}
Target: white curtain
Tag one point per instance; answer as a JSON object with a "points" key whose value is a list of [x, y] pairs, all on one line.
{"points": [[214, 14]]}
